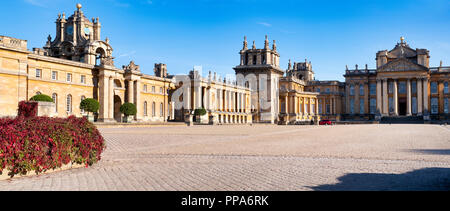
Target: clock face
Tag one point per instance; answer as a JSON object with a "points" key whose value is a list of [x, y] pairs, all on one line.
{"points": [[87, 31], [70, 30]]}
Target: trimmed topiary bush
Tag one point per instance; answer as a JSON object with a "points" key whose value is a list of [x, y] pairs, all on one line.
{"points": [[200, 112], [41, 98], [40, 143], [90, 105], [128, 109]]}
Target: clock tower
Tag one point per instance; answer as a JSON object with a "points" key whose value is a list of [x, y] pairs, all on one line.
{"points": [[78, 39]]}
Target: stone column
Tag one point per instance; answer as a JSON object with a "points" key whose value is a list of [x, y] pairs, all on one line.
{"points": [[419, 97], [198, 97], [103, 98], [131, 91], [187, 96], [296, 105], [385, 97], [317, 106], [425, 96], [379, 97], [311, 108], [137, 99], [220, 100], [286, 105], [408, 98], [111, 98], [395, 98]]}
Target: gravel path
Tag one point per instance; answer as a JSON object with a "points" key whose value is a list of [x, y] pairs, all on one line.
{"points": [[262, 157]]}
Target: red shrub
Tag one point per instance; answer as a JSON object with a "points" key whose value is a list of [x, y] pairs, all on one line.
{"points": [[41, 143], [28, 109]]}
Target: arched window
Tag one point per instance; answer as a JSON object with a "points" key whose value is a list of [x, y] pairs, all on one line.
{"points": [[434, 88], [145, 108], [161, 109], [38, 93], [55, 100], [153, 109], [69, 104]]}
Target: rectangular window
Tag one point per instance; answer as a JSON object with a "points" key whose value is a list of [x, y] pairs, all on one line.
{"points": [[402, 87], [373, 89], [446, 108], [391, 87], [69, 77], [414, 87], [153, 89], [145, 88], [361, 106], [320, 108], [361, 90], [328, 108], [161, 110], [352, 90], [434, 105], [83, 79], [38, 73], [391, 105], [414, 105], [434, 88], [54, 75], [446, 91], [373, 105], [161, 90], [352, 106]]}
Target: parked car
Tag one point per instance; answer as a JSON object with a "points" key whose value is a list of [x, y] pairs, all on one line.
{"points": [[325, 122]]}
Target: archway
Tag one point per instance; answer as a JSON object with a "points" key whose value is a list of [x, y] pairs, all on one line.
{"points": [[100, 54], [117, 104]]}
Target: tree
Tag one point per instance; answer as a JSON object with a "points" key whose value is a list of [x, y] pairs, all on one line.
{"points": [[128, 109], [90, 105]]}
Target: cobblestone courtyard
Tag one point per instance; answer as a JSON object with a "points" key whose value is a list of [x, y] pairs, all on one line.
{"points": [[262, 157]]}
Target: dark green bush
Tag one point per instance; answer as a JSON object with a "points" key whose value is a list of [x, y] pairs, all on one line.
{"points": [[41, 98], [200, 112], [90, 105], [128, 109]]}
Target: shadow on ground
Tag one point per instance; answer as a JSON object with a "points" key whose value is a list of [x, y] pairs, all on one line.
{"points": [[427, 179], [433, 151]]}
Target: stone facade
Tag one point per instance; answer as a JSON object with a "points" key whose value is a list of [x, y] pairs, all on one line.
{"points": [[225, 101], [403, 84], [77, 65]]}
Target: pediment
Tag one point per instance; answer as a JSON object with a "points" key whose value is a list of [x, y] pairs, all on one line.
{"points": [[401, 65], [402, 52]]}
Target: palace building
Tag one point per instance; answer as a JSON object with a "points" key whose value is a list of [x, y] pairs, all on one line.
{"points": [[403, 84], [76, 65]]}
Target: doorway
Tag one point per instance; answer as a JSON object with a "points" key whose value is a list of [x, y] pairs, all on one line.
{"points": [[402, 106], [117, 104]]}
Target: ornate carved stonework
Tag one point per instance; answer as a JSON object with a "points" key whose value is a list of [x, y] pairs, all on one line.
{"points": [[401, 65], [132, 67]]}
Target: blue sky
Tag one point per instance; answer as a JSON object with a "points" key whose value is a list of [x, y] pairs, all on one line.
{"points": [[209, 33]]}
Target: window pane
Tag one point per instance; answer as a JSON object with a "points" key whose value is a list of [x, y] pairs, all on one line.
{"points": [[414, 87], [373, 89], [361, 106], [434, 87], [352, 90], [373, 106], [414, 105], [391, 104], [446, 108], [434, 106], [446, 91], [352, 106], [361, 89], [402, 87]]}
